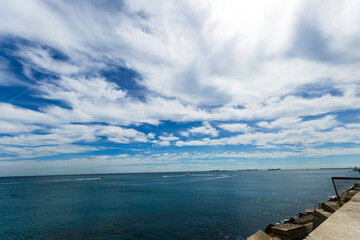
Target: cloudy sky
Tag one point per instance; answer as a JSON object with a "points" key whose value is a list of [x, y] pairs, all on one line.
{"points": [[132, 86]]}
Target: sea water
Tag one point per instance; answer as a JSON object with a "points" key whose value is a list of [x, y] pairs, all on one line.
{"points": [[205, 205]]}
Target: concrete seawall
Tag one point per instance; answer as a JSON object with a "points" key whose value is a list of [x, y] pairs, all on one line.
{"points": [[336, 219], [343, 224]]}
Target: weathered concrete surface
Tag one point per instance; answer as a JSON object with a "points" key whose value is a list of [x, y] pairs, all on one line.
{"points": [[308, 227], [356, 186], [304, 220], [289, 231], [348, 195], [260, 235], [332, 206], [343, 224], [309, 211], [320, 215]]}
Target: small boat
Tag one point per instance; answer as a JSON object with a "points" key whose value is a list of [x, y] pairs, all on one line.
{"points": [[100, 177], [188, 174]]}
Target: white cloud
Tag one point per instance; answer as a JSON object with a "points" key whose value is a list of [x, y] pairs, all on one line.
{"points": [[171, 51], [307, 133], [43, 151], [326, 122], [41, 59], [165, 140], [151, 135], [12, 113], [197, 61], [73, 133], [166, 161], [193, 64], [235, 127], [81, 91], [14, 127], [205, 129], [63, 134], [184, 133], [202, 142], [164, 143], [17, 17], [169, 137], [122, 135], [198, 48], [7, 78]]}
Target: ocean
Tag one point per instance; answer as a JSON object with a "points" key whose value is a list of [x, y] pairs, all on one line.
{"points": [[206, 205]]}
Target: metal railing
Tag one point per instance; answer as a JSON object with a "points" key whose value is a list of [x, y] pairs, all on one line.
{"points": [[341, 178]]}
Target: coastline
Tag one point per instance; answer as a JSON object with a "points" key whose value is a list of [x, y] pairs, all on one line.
{"points": [[305, 227]]}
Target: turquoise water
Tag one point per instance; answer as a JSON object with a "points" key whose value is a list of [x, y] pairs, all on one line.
{"points": [[207, 205]]}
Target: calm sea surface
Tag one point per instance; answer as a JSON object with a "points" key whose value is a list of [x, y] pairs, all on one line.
{"points": [[207, 205]]}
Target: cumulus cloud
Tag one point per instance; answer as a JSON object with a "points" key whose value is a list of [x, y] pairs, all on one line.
{"points": [[20, 153], [179, 59], [288, 69], [205, 129], [307, 133], [63, 139], [235, 127], [164, 143], [73, 133], [169, 137], [326, 122], [122, 135], [168, 161]]}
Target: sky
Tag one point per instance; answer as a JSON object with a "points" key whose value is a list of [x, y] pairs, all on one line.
{"points": [[166, 85]]}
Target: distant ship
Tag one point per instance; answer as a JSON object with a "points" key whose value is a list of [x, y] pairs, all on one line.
{"points": [[188, 174], [214, 170], [273, 169]]}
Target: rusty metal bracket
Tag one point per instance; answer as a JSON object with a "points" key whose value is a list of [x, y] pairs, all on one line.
{"points": [[341, 178]]}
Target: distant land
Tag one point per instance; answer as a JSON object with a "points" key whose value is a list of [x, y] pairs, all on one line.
{"points": [[337, 168]]}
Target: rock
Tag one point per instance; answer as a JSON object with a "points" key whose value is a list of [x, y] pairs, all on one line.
{"points": [[301, 214], [289, 231]]}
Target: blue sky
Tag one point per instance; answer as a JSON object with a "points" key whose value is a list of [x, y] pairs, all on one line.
{"points": [[138, 86]]}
